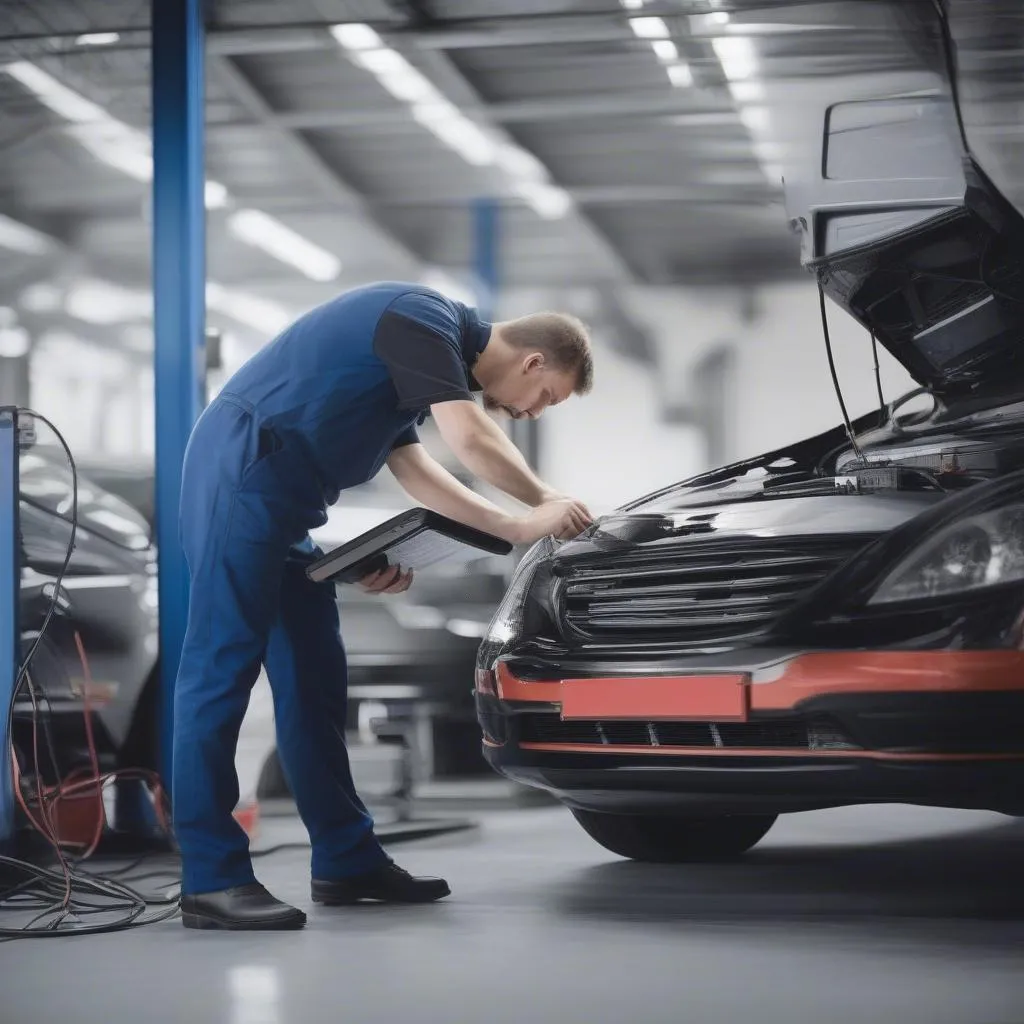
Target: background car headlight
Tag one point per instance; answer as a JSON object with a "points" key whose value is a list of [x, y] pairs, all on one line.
{"points": [[981, 551], [516, 614]]}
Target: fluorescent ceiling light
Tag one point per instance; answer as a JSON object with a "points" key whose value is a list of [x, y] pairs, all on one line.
{"points": [[549, 201], [719, 18], [738, 57], [380, 62], [14, 342], [632, 5], [407, 84], [435, 112], [356, 37], [98, 302], [117, 145], [269, 234], [521, 164], [649, 28], [263, 315], [665, 49], [680, 75], [98, 39], [447, 123], [456, 131], [21, 238], [112, 141], [215, 195], [59, 98]]}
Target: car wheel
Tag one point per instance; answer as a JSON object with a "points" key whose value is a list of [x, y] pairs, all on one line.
{"points": [[672, 839]]}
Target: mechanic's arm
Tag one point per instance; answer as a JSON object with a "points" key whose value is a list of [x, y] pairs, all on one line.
{"points": [[486, 451], [427, 482]]}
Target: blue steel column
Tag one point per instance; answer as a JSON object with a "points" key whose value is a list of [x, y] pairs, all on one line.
{"points": [[10, 592], [179, 284]]}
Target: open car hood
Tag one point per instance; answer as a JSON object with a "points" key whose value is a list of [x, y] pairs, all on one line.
{"points": [[898, 221]]}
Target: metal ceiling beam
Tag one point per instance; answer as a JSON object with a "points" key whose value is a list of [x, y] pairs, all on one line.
{"points": [[454, 34], [484, 33], [628, 195], [616, 257], [649, 103], [326, 177], [596, 195]]}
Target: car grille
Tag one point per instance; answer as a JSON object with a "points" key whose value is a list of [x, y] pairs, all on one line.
{"points": [[789, 733], [698, 594]]}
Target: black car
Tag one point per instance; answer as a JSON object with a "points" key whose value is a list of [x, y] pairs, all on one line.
{"points": [[841, 621], [109, 599]]}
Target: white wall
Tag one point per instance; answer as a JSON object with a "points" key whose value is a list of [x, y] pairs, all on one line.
{"points": [[612, 446], [784, 388]]}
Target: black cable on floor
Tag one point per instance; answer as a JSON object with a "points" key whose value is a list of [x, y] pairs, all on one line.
{"points": [[63, 899]]}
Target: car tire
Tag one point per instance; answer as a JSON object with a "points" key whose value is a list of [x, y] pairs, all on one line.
{"points": [[674, 839]]}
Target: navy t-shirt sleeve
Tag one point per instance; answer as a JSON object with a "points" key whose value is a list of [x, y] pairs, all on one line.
{"points": [[406, 437], [419, 340]]}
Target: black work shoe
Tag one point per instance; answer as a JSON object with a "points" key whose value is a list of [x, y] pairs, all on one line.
{"points": [[243, 908], [387, 884]]}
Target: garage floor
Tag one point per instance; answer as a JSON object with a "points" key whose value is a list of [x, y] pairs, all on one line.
{"points": [[866, 914]]}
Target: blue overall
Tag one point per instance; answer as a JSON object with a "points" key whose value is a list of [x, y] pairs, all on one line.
{"points": [[316, 411]]}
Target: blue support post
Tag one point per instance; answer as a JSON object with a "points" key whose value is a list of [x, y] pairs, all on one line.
{"points": [[179, 285], [10, 594]]}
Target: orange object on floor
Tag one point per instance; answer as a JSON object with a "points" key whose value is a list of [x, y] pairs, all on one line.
{"points": [[248, 816]]}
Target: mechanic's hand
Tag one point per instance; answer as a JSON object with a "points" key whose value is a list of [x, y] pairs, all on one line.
{"points": [[564, 518], [388, 581]]}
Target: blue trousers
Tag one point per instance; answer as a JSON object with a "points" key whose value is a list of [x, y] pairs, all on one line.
{"points": [[248, 501]]}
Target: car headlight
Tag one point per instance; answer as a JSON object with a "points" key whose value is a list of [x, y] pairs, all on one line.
{"points": [[517, 614], [983, 550]]}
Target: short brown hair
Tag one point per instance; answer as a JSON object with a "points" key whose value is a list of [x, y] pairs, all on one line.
{"points": [[562, 338]]}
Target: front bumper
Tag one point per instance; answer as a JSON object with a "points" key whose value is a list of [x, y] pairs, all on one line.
{"points": [[941, 728]]}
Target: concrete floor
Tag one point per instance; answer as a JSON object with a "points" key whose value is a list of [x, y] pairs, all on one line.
{"points": [[864, 914]]}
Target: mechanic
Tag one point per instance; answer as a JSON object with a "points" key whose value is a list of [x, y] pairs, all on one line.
{"points": [[322, 408]]}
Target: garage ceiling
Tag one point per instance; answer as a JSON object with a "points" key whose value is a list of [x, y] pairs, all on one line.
{"points": [[640, 179]]}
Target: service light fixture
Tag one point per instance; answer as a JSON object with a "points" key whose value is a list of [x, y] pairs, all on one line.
{"points": [[110, 140], [21, 238], [102, 303], [262, 231], [737, 56], [680, 75], [98, 39], [649, 28], [430, 108]]}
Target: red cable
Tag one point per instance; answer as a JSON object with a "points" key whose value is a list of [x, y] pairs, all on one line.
{"points": [[94, 760], [96, 782]]}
